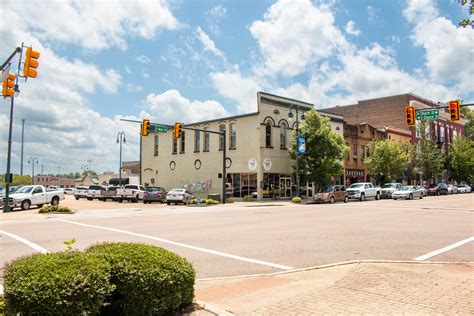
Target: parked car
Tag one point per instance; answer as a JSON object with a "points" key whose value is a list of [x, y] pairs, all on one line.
{"points": [[408, 192], [109, 193], [69, 190], [424, 190], [452, 189], [130, 192], [244, 190], [362, 191], [30, 195], [464, 188], [94, 192], [438, 189], [388, 189], [154, 194], [332, 194], [80, 192], [178, 196]]}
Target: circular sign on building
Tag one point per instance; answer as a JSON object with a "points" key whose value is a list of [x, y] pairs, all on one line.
{"points": [[252, 164], [267, 164]]}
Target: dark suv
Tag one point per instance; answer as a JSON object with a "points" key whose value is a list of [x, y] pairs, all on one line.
{"points": [[438, 189]]}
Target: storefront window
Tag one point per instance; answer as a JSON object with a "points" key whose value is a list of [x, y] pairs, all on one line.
{"points": [[243, 184]]}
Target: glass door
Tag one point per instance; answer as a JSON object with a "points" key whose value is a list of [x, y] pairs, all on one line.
{"points": [[285, 187]]}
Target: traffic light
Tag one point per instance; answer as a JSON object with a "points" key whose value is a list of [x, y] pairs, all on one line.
{"points": [[145, 127], [31, 63], [177, 130], [9, 86], [411, 112], [454, 110]]}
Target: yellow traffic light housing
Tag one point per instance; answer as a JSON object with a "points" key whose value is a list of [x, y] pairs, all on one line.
{"points": [[31, 63], [177, 130], [8, 87], [454, 110], [145, 127], [411, 113]]}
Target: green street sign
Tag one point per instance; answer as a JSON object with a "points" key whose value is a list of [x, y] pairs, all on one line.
{"points": [[427, 115], [158, 129]]}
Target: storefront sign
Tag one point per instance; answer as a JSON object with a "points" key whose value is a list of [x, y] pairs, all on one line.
{"points": [[354, 173], [267, 164], [252, 164]]}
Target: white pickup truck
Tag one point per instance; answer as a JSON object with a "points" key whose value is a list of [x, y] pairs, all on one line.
{"points": [[30, 195], [130, 192], [362, 191]]}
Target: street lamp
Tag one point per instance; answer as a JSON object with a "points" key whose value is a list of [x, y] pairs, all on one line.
{"points": [[290, 116], [59, 176], [32, 160], [120, 139], [84, 167]]}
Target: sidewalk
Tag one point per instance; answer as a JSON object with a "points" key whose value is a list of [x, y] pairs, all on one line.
{"points": [[360, 288]]}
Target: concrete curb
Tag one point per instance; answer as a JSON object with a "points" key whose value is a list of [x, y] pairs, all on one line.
{"points": [[213, 308], [331, 265]]}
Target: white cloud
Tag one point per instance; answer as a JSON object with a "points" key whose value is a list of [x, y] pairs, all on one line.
{"points": [[127, 69], [92, 24], [170, 106], [134, 88], [208, 43], [218, 11], [143, 59], [351, 29], [372, 14], [146, 75], [420, 11], [295, 34]]}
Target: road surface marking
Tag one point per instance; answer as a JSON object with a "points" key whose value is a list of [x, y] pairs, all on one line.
{"points": [[214, 252], [445, 249], [23, 240]]}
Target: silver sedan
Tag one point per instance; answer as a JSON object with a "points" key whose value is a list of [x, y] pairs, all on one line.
{"points": [[408, 192]]}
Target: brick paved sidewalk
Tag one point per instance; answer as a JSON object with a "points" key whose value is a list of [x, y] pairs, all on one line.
{"points": [[357, 288]]}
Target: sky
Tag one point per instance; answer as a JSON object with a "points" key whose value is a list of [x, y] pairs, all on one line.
{"points": [[102, 61]]}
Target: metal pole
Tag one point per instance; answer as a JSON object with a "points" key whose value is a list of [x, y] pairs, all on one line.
{"points": [[120, 162], [59, 176], [22, 141], [6, 205], [224, 176], [33, 172], [297, 156]]}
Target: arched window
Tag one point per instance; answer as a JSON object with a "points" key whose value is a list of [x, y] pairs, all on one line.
{"points": [[268, 134], [221, 138], [232, 136], [206, 140], [283, 135]]}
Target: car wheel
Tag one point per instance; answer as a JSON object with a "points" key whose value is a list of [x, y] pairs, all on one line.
{"points": [[168, 203], [377, 196], [332, 200], [120, 200], [55, 201], [362, 197], [77, 198], [346, 199], [25, 205], [410, 197], [395, 199], [89, 199]]}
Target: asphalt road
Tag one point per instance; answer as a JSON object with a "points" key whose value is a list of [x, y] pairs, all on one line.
{"points": [[250, 238]]}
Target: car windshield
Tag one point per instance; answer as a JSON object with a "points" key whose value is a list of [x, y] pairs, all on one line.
{"points": [[389, 185], [328, 189], [26, 189], [356, 186], [112, 189], [178, 190], [153, 190], [406, 188]]}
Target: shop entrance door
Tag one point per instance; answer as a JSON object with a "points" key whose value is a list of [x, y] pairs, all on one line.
{"points": [[285, 187]]}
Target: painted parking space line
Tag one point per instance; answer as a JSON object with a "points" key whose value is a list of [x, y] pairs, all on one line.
{"points": [[24, 241], [214, 252], [445, 249]]}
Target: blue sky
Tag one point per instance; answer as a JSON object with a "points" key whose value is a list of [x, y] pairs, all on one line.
{"points": [[195, 60]]}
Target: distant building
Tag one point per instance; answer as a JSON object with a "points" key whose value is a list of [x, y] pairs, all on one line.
{"points": [[48, 181], [87, 180]]}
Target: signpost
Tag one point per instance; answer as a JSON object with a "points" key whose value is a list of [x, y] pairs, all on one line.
{"points": [[158, 129], [427, 115]]}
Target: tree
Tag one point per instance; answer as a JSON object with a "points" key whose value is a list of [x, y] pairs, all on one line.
{"points": [[460, 160], [469, 127], [17, 180], [325, 149], [388, 160], [429, 159]]}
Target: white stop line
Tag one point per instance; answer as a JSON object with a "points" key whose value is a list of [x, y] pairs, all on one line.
{"points": [[445, 249]]}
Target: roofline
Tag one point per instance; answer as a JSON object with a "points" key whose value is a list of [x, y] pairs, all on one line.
{"points": [[279, 98], [222, 119]]}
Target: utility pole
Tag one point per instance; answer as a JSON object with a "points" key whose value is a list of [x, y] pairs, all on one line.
{"points": [[42, 169], [120, 139], [32, 160], [59, 176], [89, 164], [22, 141]]}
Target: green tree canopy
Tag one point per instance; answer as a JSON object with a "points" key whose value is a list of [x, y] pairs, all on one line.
{"points": [[325, 149], [17, 180], [388, 160], [469, 127], [460, 160], [429, 159]]}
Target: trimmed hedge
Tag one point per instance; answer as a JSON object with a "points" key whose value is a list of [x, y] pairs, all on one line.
{"points": [[63, 283], [54, 208], [296, 200], [149, 280]]}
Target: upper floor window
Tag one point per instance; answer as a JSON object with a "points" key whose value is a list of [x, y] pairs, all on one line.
{"points": [[175, 145], [354, 148], [268, 135], [362, 151], [441, 129], [283, 135], [206, 140], [233, 136], [221, 138], [183, 142], [197, 141], [155, 145]]}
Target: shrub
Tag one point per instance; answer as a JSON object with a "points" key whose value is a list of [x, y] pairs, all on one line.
{"points": [[2, 306], [149, 280], [211, 202], [194, 201], [296, 200], [54, 208], [63, 283], [248, 197]]}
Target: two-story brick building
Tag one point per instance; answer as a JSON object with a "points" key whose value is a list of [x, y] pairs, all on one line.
{"points": [[257, 152]]}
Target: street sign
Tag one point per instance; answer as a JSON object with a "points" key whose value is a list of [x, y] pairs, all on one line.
{"points": [[4, 74], [427, 115], [301, 145], [158, 129]]}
